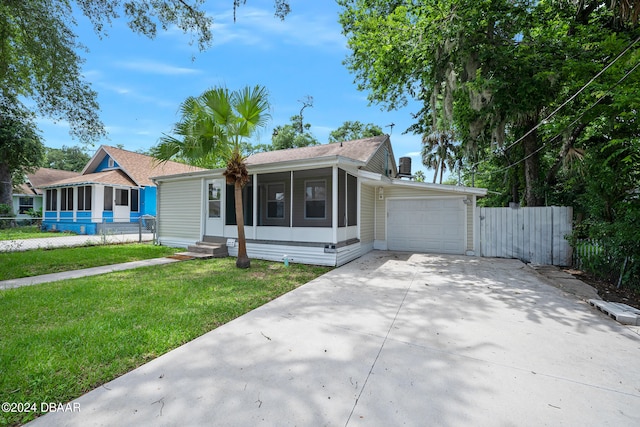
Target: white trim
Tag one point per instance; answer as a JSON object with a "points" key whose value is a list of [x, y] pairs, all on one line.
{"points": [[323, 180], [476, 227], [284, 187], [256, 208], [358, 208], [334, 202]]}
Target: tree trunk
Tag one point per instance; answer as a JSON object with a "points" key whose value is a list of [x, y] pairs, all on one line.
{"points": [[531, 167], [564, 151], [441, 170], [6, 187], [243, 260], [435, 175]]}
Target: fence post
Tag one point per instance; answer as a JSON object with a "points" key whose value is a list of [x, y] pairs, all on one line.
{"points": [[140, 229]]}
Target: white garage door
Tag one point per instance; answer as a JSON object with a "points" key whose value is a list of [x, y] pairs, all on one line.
{"points": [[426, 225]]}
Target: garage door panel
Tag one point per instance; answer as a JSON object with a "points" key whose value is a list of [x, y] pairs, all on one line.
{"points": [[426, 225]]}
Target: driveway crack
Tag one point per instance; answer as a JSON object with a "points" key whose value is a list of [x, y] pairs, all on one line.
{"points": [[384, 341]]}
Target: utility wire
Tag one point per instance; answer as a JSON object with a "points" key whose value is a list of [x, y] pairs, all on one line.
{"points": [[554, 112], [565, 128]]}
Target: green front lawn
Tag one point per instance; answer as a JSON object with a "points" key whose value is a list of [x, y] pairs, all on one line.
{"points": [[27, 232], [44, 261], [62, 339]]}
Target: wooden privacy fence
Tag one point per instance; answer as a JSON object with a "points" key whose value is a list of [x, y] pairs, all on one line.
{"points": [[535, 235]]}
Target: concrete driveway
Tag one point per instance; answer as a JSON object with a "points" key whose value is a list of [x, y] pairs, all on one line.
{"points": [[392, 339]]}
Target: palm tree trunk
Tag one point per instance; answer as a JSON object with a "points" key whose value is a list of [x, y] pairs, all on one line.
{"points": [[441, 170], [243, 260], [435, 175]]}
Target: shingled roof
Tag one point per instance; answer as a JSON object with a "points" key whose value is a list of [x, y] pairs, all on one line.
{"points": [[110, 177], [360, 150], [138, 167], [41, 178]]}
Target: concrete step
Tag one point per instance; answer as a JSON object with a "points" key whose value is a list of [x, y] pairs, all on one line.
{"points": [[185, 255], [213, 249]]}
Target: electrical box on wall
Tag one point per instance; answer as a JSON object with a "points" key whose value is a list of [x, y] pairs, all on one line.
{"points": [[329, 249]]}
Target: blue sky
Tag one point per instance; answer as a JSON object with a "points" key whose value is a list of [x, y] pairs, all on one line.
{"points": [[141, 82]]}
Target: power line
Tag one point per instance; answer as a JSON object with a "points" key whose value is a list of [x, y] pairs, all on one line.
{"points": [[566, 127], [554, 112]]}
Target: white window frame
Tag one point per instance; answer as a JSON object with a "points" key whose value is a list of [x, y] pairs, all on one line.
{"points": [[306, 185], [278, 202], [218, 200]]}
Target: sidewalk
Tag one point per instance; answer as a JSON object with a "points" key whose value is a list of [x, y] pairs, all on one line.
{"points": [[74, 274]]}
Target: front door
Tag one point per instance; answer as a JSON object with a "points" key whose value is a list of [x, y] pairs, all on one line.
{"points": [[121, 209], [213, 207]]}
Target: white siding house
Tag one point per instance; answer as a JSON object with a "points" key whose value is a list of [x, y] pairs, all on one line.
{"points": [[326, 205]]}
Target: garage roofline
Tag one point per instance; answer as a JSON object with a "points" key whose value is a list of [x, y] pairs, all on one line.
{"points": [[383, 181]]}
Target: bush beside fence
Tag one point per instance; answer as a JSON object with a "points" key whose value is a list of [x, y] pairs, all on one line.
{"points": [[592, 256]]}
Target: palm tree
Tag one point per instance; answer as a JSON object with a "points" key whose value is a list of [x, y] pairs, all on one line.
{"points": [[210, 134], [438, 152]]}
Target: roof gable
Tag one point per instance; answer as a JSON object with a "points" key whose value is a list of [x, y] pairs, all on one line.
{"points": [[137, 167], [108, 177]]}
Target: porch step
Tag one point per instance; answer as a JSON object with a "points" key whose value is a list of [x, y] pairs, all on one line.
{"points": [[215, 250]]}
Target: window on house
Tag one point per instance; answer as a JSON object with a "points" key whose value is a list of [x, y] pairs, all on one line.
{"points": [[52, 200], [215, 195], [315, 199], [135, 205], [275, 201], [122, 197], [66, 199], [110, 162], [25, 204], [84, 198], [108, 198]]}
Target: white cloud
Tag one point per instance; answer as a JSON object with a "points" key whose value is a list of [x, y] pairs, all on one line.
{"points": [[255, 26], [154, 67]]}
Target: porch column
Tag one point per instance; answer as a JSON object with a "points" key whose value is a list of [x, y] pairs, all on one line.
{"points": [[255, 206], [334, 203]]}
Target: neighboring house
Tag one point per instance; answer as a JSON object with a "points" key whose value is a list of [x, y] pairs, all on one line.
{"points": [[113, 188], [325, 204], [28, 195]]}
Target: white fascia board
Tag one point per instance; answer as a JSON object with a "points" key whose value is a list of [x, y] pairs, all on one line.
{"points": [[210, 173], [306, 164], [286, 166], [378, 178], [456, 189]]}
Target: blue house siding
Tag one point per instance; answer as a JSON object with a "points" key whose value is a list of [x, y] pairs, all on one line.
{"points": [[107, 216], [148, 197], [116, 170], [104, 164]]}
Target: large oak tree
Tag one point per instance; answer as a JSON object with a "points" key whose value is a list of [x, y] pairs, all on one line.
{"points": [[40, 54], [494, 70]]}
